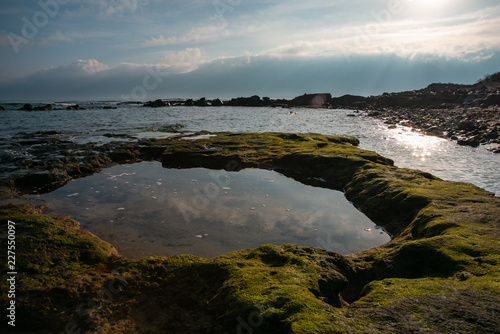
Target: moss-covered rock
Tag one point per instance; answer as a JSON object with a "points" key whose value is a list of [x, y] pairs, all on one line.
{"points": [[440, 273]]}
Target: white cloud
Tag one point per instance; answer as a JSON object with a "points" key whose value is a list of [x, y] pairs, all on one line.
{"points": [[56, 37], [198, 34], [114, 7], [185, 60], [469, 37]]}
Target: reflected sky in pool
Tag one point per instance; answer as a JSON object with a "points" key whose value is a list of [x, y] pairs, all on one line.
{"points": [[144, 209]]}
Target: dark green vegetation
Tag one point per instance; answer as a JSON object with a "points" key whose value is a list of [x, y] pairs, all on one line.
{"points": [[439, 274]]}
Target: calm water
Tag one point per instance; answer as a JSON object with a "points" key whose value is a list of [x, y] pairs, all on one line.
{"points": [[144, 209], [440, 157]]}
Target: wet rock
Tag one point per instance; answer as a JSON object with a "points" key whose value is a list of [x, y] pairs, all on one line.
{"points": [[189, 103], [434, 131], [156, 104], [494, 149], [27, 107], [217, 103], [74, 107], [201, 102], [47, 107], [473, 142], [2, 108]]}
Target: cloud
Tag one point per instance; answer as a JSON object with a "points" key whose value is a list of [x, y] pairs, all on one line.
{"points": [[471, 37], [199, 34], [241, 76], [185, 60], [116, 7]]}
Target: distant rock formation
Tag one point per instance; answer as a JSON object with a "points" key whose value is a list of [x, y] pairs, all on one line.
{"points": [[156, 104], [311, 100]]}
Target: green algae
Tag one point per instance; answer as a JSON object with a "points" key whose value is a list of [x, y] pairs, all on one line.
{"points": [[440, 230]]}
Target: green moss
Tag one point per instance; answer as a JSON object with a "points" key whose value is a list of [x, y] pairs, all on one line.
{"points": [[440, 272]]}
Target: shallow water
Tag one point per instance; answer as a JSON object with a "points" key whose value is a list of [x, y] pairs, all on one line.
{"points": [[144, 209], [408, 149]]}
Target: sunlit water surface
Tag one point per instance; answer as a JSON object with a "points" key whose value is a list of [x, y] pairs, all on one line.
{"points": [[139, 208], [144, 209]]}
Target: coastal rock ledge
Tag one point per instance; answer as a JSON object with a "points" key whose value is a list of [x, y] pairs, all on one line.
{"points": [[440, 273]]}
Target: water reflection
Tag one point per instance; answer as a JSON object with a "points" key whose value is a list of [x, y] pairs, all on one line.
{"points": [[144, 209], [421, 146]]}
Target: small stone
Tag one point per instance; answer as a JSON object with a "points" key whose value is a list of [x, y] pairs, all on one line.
{"points": [[465, 276]]}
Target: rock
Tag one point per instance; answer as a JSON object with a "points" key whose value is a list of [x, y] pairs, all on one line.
{"points": [[201, 102], [493, 99], [189, 103], [27, 107], [74, 107], [434, 131], [2, 108], [47, 107], [467, 125], [311, 100], [473, 142], [494, 149], [156, 104], [109, 107], [465, 276], [217, 103]]}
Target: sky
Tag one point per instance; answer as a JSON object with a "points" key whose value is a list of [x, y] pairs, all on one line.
{"points": [[149, 49]]}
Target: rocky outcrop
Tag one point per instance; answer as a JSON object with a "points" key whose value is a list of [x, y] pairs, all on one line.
{"points": [[156, 104], [311, 100]]}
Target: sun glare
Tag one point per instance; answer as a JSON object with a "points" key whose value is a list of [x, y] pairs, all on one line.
{"points": [[430, 5]]}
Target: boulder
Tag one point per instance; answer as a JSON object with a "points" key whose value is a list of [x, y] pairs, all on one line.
{"points": [[189, 103], [156, 104], [27, 107], [73, 107], [473, 142], [2, 108], [47, 107], [217, 103], [201, 102], [467, 125]]}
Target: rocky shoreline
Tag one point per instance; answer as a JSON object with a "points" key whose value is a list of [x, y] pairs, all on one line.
{"points": [[467, 126], [440, 271]]}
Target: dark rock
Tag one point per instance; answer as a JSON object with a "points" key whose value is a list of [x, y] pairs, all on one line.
{"points": [[217, 103], [473, 142], [311, 100], [47, 107], [2, 108], [253, 101], [189, 103], [156, 104], [74, 107], [27, 107], [109, 107], [493, 99], [201, 102], [494, 149], [373, 113], [467, 125]]}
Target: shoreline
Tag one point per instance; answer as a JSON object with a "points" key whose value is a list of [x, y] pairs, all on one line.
{"points": [[443, 258]]}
